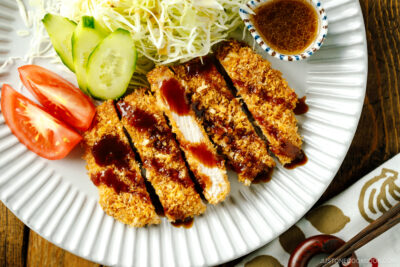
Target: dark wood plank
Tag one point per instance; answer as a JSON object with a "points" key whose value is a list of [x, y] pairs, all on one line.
{"points": [[43, 253], [378, 135], [13, 245]]}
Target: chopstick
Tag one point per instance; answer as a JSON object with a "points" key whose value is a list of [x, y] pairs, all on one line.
{"points": [[374, 229]]}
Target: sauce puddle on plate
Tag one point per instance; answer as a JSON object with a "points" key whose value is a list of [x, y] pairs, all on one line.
{"points": [[288, 26], [187, 223], [301, 107], [300, 160]]}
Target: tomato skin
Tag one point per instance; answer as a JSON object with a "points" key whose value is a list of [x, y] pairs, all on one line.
{"points": [[60, 97], [20, 113]]}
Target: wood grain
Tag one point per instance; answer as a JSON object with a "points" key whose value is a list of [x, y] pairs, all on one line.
{"points": [[13, 242], [377, 138], [43, 253], [378, 135]]}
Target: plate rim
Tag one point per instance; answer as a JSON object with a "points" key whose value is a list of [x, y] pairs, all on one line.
{"points": [[357, 115]]}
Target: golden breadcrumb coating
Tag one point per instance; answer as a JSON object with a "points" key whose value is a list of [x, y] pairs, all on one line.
{"points": [[122, 190], [267, 95], [225, 121], [161, 156], [201, 155]]}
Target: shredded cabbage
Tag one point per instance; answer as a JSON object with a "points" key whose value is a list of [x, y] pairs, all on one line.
{"points": [[164, 31]]}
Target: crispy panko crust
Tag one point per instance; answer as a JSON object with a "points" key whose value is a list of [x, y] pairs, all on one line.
{"points": [[225, 121], [215, 186], [161, 156], [134, 207], [267, 95]]}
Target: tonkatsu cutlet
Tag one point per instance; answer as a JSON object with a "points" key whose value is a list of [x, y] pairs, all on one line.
{"points": [[161, 156], [225, 121], [201, 155], [113, 169], [268, 97]]}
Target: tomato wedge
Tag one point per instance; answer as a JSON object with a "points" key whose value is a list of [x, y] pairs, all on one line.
{"points": [[42, 133], [60, 97]]}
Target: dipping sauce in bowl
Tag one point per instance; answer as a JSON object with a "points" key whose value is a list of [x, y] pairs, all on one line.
{"points": [[288, 26]]}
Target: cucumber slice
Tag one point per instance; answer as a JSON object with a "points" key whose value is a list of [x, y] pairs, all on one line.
{"points": [[60, 30], [87, 35], [111, 65]]}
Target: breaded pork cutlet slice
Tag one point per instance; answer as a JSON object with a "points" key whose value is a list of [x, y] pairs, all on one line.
{"points": [[161, 156], [113, 169], [268, 97], [201, 155], [225, 121]]}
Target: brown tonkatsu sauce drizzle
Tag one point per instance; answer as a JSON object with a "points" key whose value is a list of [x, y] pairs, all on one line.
{"points": [[204, 155], [159, 136], [263, 177], [286, 147], [110, 179], [263, 94], [301, 107], [289, 150], [111, 150], [146, 122], [197, 68], [300, 160], [138, 118], [169, 172], [244, 169], [174, 95], [187, 223], [288, 26]]}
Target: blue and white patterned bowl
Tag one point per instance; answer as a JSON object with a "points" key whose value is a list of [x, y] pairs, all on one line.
{"points": [[245, 14]]}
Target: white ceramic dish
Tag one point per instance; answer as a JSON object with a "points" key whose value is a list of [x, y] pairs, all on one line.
{"points": [[57, 199]]}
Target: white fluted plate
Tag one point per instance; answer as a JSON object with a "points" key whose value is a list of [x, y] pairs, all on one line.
{"points": [[57, 199]]}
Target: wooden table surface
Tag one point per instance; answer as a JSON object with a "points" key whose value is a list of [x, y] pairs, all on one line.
{"points": [[377, 138]]}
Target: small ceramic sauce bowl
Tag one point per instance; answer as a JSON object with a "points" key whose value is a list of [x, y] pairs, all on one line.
{"points": [[252, 5]]}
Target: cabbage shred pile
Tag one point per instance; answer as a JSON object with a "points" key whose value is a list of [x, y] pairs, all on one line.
{"points": [[164, 31]]}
